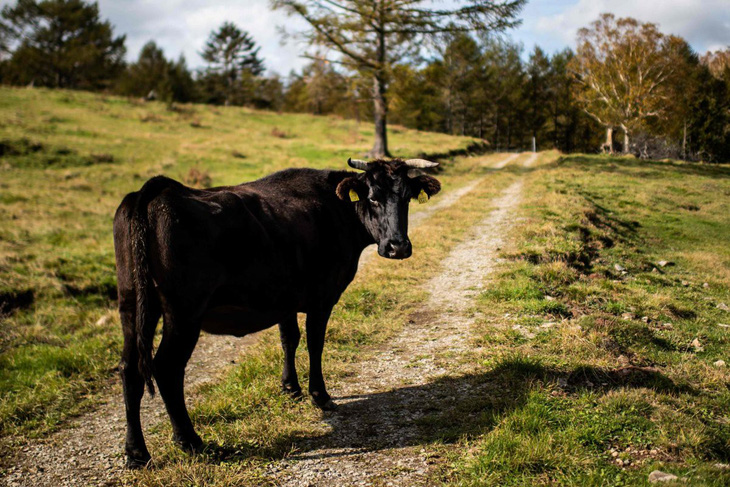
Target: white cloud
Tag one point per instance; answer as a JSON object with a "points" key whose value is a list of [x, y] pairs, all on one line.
{"points": [[703, 23]]}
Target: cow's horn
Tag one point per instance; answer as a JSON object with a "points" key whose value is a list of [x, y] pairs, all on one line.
{"points": [[421, 163], [357, 164]]}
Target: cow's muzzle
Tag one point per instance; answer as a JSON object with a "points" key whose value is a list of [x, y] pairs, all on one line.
{"points": [[396, 249]]}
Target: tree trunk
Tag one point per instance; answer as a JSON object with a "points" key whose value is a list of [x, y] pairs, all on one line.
{"points": [[380, 148], [608, 145], [627, 148], [380, 86], [684, 140]]}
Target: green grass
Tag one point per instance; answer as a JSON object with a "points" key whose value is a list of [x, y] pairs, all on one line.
{"points": [[611, 386], [66, 160], [608, 385]]}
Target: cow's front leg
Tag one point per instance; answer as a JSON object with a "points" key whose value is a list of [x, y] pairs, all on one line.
{"points": [[316, 328], [290, 335]]}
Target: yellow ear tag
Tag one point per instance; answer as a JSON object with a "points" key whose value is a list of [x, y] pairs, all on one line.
{"points": [[353, 196], [422, 197]]}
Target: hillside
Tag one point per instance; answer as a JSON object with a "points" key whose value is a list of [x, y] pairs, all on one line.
{"points": [[66, 160]]}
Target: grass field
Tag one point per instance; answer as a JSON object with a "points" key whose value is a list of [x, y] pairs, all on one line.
{"points": [[596, 345], [66, 160], [604, 330]]}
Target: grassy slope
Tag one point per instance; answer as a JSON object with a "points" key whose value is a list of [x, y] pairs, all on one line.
{"points": [[57, 201], [612, 387]]}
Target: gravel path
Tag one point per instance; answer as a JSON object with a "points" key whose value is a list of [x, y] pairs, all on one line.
{"points": [[373, 438], [89, 450]]}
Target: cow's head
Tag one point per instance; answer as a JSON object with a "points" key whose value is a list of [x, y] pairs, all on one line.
{"points": [[381, 195]]}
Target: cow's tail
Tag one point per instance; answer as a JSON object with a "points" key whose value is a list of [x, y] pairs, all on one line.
{"points": [[144, 325]]}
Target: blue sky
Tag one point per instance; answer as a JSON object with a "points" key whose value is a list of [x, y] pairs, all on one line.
{"points": [[181, 26]]}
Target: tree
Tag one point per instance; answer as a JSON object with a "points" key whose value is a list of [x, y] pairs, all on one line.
{"points": [[621, 66], [417, 97], [232, 55], [537, 92], [149, 74], [568, 127], [60, 43], [718, 63], [505, 85], [153, 74], [372, 36]]}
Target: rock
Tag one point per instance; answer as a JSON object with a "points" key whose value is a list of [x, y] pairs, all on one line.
{"points": [[722, 466], [549, 298], [723, 307], [103, 320], [645, 319], [659, 476], [549, 324], [705, 285], [654, 270], [619, 267], [628, 316], [685, 283], [719, 363], [667, 326], [723, 325], [664, 263], [697, 345], [562, 382]]}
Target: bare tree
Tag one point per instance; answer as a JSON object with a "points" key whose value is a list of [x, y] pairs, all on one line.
{"points": [[621, 66], [371, 36]]}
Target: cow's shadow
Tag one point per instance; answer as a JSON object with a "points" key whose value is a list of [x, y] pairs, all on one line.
{"points": [[447, 408]]}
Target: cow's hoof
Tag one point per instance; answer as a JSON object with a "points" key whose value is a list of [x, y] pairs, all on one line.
{"points": [[326, 405], [137, 460], [194, 444], [291, 391]]}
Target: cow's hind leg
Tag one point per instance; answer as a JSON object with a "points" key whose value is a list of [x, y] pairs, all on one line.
{"points": [[178, 341], [290, 335], [133, 383]]}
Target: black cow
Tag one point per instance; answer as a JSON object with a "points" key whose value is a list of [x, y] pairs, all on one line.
{"points": [[238, 259]]}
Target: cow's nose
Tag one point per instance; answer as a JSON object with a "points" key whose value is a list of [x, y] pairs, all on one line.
{"points": [[398, 249]]}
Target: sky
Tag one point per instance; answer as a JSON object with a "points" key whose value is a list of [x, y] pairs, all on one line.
{"points": [[182, 26]]}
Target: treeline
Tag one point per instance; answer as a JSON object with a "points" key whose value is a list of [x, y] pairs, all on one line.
{"points": [[627, 87], [670, 103], [480, 88]]}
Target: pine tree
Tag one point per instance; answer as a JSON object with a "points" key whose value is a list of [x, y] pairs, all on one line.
{"points": [[232, 58]]}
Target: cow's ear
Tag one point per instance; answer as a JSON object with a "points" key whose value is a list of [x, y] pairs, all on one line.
{"points": [[429, 185], [350, 189]]}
